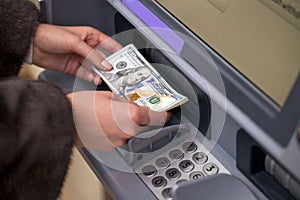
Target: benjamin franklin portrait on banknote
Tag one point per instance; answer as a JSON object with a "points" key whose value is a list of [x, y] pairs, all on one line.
{"points": [[128, 77]]}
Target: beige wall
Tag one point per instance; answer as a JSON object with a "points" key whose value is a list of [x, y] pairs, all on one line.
{"points": [[251, 36], [81, 182]]}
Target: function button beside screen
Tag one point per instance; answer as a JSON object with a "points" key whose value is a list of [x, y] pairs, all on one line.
{"points": [[149, 170], [163, 162], [173, 174], [189, 147], [167, 193], [159, 182], [196, 175], [210, 169], [176, 154], [186, 166], [200, 158]]}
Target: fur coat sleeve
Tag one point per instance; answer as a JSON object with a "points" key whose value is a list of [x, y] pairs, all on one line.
{"points": [[36, 125]]}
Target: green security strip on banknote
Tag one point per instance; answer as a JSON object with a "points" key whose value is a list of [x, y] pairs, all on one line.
{"points": [[135, 79]]}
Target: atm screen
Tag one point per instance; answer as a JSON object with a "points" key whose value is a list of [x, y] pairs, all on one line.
{"points": [[260, 38]]}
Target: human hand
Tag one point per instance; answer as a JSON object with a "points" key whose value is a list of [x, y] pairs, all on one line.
{"points": [[65, 48], [104, 120]]}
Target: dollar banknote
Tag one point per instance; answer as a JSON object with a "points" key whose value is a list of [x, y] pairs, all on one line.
{"points": [[134, 78]]}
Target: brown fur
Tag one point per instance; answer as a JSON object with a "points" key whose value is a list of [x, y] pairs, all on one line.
{"points": [[36, 123], [36, 138], [18, 19]]}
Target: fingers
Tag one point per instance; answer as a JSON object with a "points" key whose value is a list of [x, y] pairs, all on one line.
{"points": [[94, 37], [89, 39], [93, 57], [109, 44], [143, 116], [104, 120], [88, 75], [97, 80]]}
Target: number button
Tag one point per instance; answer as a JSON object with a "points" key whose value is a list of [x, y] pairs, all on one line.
{"points": [[163, 163], [167, 193], [173, 174], [176, 154], [200, 158], [210, 169], [181, 181], [189, 147], [196, 175], [159, 182], [149, 170], [186, 166]]}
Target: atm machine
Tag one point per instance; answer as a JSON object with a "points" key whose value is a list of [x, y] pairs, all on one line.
{"points": [[238, 136]]}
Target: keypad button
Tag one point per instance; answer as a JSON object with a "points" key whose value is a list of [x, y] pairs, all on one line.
{"points": [[173, 174], [210, 169], [149, 170], [167, 193], [159, 182], [186, 166], [189, 147], [181, 181], [176, 154], [200, 158], [163, 162], [196, 175]]}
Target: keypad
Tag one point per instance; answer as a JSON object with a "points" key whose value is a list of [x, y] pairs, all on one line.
{"points": [[149, 170], [196, 175], [162, 163], [211, 169], [200, 158], [181, 181], [189, 147], [188, 161], [176, 154], [173, 174], [167, 193], [186, 166], [159, 181]]}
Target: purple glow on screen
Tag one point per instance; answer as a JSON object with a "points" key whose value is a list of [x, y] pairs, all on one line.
{"points": [[164, 31]]}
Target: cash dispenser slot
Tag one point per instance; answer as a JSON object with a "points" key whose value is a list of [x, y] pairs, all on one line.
{"points": [[156, 56], [263, 171]]}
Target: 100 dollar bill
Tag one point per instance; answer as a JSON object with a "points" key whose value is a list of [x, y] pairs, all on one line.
{"points": [[135, 79]]}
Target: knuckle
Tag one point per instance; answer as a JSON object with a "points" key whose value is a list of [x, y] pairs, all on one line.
{"points": [[119, 143], [136, 115], [128, 136]]}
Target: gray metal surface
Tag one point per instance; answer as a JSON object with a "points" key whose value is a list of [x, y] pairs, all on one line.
{"points": [[185, 168], [285, 155], [214, 188]]}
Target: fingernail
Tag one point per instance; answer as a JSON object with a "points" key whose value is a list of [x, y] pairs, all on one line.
{"points": [[106, 64], [97, 80], [90, 77]]}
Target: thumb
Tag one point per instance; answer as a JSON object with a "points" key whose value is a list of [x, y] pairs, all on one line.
{"points": [[153, 118]]}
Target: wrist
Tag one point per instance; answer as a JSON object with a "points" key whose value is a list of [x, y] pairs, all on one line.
{"points": [[29, 57]]}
